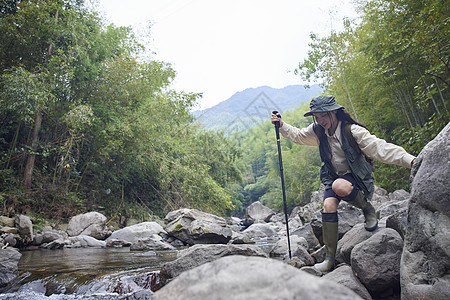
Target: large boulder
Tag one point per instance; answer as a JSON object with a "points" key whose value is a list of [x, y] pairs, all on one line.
{"points": [[376, 261], [196, 227], [426, 254], [25, 227], [257, 213], [344, 275], [353, 237], [92, 224], [133, 233], [199, 254], [240, 277], [9, 260]]}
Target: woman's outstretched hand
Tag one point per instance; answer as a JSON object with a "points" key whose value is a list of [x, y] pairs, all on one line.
{"points": [[277, 118]]}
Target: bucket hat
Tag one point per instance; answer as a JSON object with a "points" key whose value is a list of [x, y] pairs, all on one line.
{"points": [[322, 103]]}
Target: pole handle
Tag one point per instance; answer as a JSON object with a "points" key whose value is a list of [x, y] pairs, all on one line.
{"points": [[277, 123]]}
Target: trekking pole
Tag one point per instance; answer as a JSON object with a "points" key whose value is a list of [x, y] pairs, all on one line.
{"points": [[277, 131]]}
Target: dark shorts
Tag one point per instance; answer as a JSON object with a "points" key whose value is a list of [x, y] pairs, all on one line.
{"points": [[349, 177]]}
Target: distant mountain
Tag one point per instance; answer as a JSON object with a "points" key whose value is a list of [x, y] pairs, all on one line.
{"points": [[253, 106]]}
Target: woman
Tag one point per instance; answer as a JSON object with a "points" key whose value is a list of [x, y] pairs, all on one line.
{"points": [[345, 173]]}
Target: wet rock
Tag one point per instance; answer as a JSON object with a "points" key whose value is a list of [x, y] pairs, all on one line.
{"points": [[199, 254], [257, 213], [376, 261], [344, 275], [240, 277], [9, 260], [196, 227], [133, 233], [92, 224], [425, 261]]}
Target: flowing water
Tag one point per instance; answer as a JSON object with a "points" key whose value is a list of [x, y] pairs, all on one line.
{"points": [[87, 273], [90, 273]]}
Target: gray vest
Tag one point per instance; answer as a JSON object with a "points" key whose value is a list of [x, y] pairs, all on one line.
{"points": [[361, 169]]}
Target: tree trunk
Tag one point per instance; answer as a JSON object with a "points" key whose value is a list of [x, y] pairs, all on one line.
{"points": [[28, 174]]}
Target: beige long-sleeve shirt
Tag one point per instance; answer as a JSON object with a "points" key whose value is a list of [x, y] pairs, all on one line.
{"points": [[372, 146]]}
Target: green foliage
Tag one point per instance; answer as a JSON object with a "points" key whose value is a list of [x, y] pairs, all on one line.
{"points": [[114, 137]]}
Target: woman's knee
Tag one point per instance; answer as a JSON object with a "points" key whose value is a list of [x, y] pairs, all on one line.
{"points": [[330, 205], [342, 187]]}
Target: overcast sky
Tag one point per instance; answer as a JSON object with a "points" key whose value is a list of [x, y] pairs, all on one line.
{"points": [[221, 47]]}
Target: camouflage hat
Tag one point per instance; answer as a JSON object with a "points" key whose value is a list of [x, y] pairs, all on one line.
{"points": [[322, 103]]}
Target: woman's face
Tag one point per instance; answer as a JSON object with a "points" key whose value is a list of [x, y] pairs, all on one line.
{"points": [[327, 120]]}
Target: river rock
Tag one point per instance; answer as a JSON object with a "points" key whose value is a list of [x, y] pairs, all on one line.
{"points": [[344, 275], [376, 261], [49, 236], [280, 249], [9, 260], [196, 227], [398, 221], [5, 221], [260, 230], [152, 243], [10, 239], [85, 241], [240, 238], [92, 224], [57, 244], [353, 237], [307, 233], [257, 213], [425, 261], [133, 233], [9, 230], [240, 277], [199, 254], [25, 227], [390, 208]]}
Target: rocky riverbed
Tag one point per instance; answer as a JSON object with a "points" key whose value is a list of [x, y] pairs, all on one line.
{"points": [[218, 258]]}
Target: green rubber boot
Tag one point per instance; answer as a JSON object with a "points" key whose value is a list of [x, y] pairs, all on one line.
{"points": [[361, 202], [330, 239]]}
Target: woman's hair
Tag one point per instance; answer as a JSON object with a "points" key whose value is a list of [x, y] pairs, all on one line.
{"points": [[324, 147]]}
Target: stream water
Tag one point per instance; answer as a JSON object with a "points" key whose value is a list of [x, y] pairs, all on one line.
{"points": [[86, 273], [90, 273]]}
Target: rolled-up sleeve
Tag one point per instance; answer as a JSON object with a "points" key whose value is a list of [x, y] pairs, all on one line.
{"points": [[379, 149], [304, 136]]}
